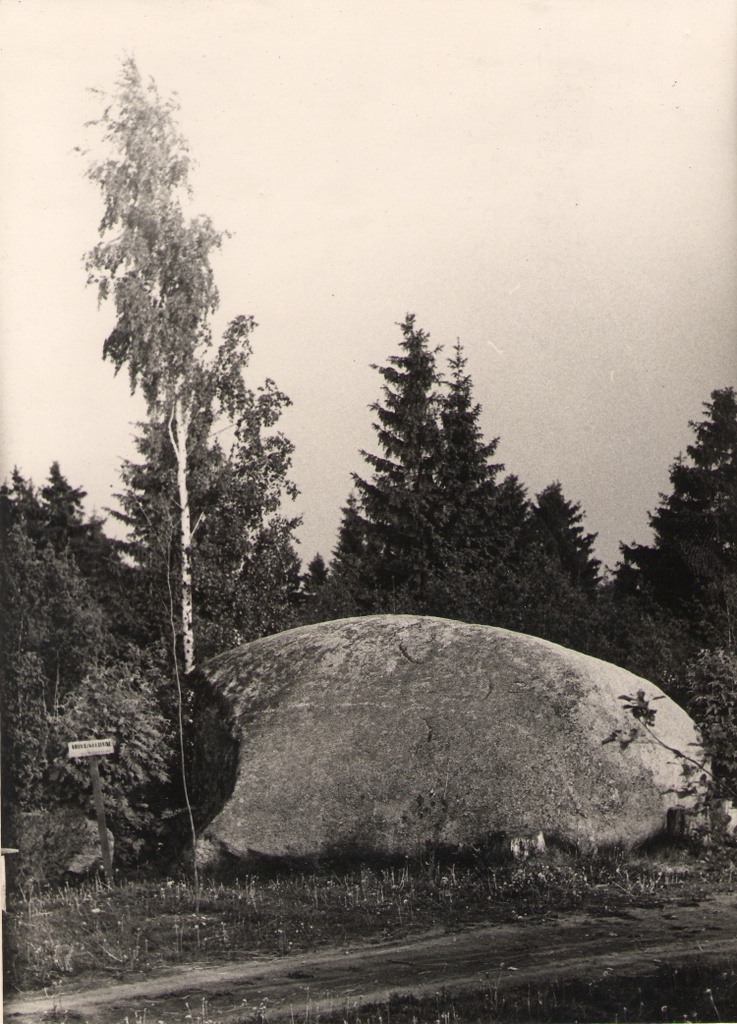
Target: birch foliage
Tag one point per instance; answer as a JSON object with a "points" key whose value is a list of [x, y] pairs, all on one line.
{"points": [[153, 263]]}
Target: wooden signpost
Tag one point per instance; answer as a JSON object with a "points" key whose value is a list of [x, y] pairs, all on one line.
{"points": [[94, 750]]}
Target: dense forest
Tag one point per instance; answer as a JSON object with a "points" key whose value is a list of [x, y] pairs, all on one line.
{"points": [[100, 634]]}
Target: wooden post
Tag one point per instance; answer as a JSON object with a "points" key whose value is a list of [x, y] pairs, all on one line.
{"points": [[95, 749], [107, 859]]}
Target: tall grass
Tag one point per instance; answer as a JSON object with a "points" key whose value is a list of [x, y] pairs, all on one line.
{"points": [[140, 926]]}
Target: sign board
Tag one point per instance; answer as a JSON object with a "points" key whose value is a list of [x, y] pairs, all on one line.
{"points": [[91, 748], [95, 749]]}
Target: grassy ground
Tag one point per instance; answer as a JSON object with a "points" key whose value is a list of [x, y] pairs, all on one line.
{"points": [[690, 992], [139, 926]]}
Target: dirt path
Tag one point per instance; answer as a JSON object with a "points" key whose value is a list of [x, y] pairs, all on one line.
{"points": [[635, 941]]}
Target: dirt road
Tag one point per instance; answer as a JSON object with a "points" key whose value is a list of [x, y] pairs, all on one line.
{"points": [[635, 941]]}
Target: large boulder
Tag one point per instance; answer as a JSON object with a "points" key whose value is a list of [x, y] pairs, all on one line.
{"points": [[388, 734]]}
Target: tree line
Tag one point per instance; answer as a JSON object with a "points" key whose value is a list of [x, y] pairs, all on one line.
{"points": [[101, 635]]}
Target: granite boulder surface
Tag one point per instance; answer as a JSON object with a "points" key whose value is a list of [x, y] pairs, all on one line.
{"points": [[387, 735]]}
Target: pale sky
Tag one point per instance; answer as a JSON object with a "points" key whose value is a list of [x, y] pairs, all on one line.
{"points": [[553, 182]]}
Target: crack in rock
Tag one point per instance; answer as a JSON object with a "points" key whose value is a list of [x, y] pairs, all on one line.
{"points": [[408, 656]]}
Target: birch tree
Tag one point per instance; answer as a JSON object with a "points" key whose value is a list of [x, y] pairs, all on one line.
{"points": [[153, 262]]}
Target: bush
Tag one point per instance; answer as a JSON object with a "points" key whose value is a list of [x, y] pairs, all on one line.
{"points": [[712, 680], [117, 701]]}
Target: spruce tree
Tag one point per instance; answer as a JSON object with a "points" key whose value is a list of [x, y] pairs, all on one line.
{"points": [[71, 532], [559, 523], [53, 518], [466, 477], [398, 505], [691, 568], [433, 530], [350, 549]]}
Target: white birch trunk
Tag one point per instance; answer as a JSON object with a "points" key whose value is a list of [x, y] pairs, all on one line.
{"points": [[179, 441]]}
